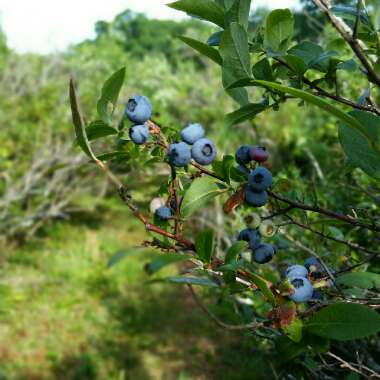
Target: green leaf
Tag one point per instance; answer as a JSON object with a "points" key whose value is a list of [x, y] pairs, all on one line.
{"points": [[165, 259], [235, 53], [227, 164], [349, 12], [246, 112], [205, 9], [204, 244], [286, 349], [360, 149], [364, 280], [79, 127], [348, 119], [344, 321], [201, 281], [279, 27], [198, 194], [117, 155], [234, 251], [238, 12], [262, 285], [296, 64], [110, 94], [307, 51], [98, 129], [294, 330], [203, 49], [263, 70], [120, 255]]}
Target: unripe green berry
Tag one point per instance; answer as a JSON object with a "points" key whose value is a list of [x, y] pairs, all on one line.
{"points": [[267, 228], [252, 220]]}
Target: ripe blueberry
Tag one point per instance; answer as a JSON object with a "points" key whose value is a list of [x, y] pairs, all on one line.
{"points": [[303, 289], [139, 134], [296, 271], [260, 179], [163, 213], [258, 154], [263, 253], [242, 155], [267, 228], [254, 198], [251, 236], [192, 133], [138, 109], [203, 151], [179, 154]]}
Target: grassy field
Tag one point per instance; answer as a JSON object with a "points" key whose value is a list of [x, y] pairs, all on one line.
{"points": [[65, 315]]}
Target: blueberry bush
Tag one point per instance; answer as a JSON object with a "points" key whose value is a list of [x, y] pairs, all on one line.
{"points": [[301, 308]]}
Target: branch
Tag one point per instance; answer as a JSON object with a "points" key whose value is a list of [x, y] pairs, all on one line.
{"points": [[351, 39], [341, 241], [323, 93], [324, 211], [137, 213]]}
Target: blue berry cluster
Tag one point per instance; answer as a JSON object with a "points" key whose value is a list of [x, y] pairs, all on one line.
{"points": [[138, 110], [261, 252], [259, 179], [202, 151], [299, 277]]}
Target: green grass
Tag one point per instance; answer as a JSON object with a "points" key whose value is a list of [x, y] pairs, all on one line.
{"points": [[65, 315]]}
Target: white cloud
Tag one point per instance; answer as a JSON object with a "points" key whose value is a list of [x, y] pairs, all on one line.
{"points": [[48, 25]]}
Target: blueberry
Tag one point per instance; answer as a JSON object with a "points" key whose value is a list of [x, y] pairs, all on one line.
{"points": [[139, 134], [192, 133], [173, 203], [203, 151], [263, 253], [138, 109], [315, 267], [258, 154], [242, 155], [251, 236], [163, 213], [303, 289], [179, 154], [296, 271], [260, 179], [255, 199]]}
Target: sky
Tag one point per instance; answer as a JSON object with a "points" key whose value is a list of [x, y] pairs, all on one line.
{"points": [[44, 26]]}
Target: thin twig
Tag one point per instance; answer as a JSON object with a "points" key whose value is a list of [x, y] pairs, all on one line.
{"points": [[248, 326], [352, 41]]}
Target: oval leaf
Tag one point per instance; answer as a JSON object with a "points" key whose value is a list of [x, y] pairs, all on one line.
{"points": [[110, 94], [79, 127], [344, 321], [204, 245], [201, 191], [363, 280], [164, 260]]}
